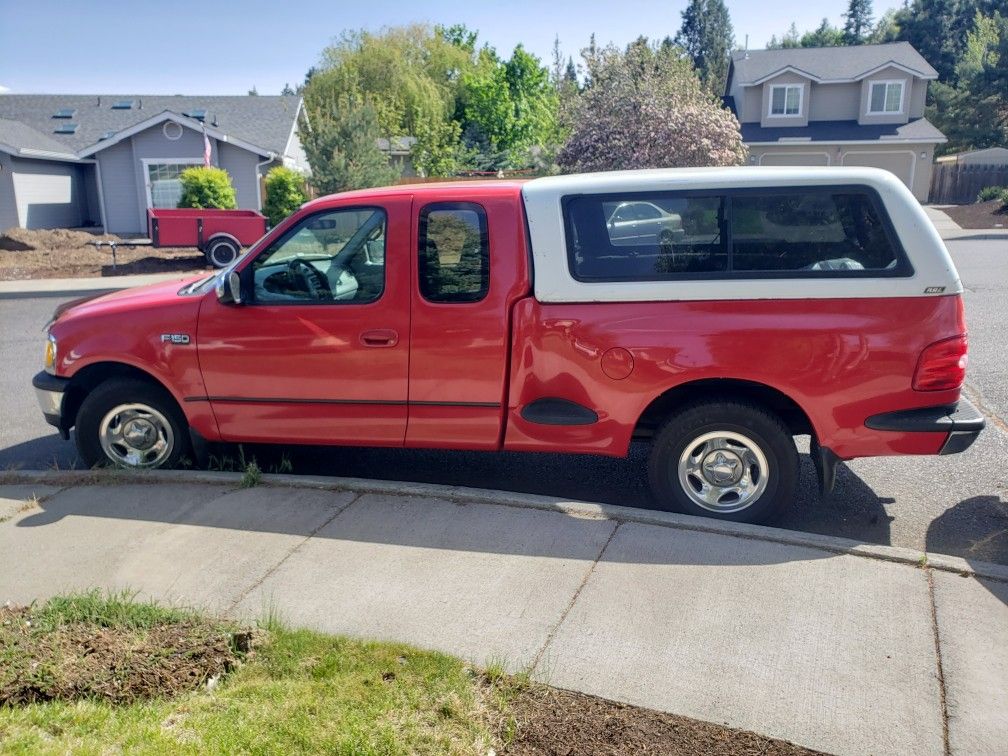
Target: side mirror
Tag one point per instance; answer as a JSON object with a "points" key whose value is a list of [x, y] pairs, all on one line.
{"points": [[229, 290]]}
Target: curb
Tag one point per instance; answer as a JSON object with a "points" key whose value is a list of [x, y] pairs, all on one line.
{"points": [[581, 509], [80, 287]]}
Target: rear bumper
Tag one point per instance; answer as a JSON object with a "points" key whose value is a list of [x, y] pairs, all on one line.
{"points": [[961, 421], [49, 390]]}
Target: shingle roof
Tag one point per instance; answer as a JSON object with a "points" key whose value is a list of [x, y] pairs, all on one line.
{"points": [[264, 121], [16, 136], [917, 130], [828, 63]]}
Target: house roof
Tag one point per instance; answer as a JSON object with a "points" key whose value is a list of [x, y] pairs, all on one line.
{"points": [[19, 139], [917, 130], [264, 121], [827, 64]]}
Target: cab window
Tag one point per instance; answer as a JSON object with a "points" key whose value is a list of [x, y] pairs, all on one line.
{"points": [[454, 252], [332, 257]]}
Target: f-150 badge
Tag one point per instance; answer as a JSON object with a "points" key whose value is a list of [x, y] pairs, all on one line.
{"points": [[174, 338]]}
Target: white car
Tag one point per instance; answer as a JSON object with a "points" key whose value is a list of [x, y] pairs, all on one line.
{"points": [[635, 223]]}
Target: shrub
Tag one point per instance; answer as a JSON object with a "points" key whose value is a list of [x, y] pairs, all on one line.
{"points": [[993, 192], [207, 188], [284, 194]]}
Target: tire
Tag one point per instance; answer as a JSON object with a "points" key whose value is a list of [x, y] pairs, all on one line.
{"points": [[666, 238], [221, 252], [727, 460], [140, 423]]}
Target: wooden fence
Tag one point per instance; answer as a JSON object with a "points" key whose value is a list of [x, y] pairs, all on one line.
{"points": [[959, 183]]}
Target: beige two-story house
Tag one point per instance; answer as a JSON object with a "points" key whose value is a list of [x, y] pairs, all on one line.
{"points": [[861, 105]]}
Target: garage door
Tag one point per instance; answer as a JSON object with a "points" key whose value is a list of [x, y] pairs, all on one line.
{"points": [[901, 162], [45, 200], [794, 158]]}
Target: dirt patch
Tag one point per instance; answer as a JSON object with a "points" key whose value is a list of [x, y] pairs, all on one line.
{"points": [[119, 664], [553, 722], [70, 253], [992, 214]]}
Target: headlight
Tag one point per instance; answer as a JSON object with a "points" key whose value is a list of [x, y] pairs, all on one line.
{"points": [[50, 354]]}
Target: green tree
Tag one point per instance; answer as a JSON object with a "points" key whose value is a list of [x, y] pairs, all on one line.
{"points": [[886, 29], [938, 29], [207, 188], [340, 135], [824, 35], [707, 37], [857, 21], [647, 108], [508, 107], [284, 193], [973, 113], [408, 76]]}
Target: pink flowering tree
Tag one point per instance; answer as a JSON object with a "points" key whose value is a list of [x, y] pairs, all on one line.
{"points": [[646, 108]]}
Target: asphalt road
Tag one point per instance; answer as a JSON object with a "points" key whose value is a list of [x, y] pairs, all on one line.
{"points": [[952, 505]]}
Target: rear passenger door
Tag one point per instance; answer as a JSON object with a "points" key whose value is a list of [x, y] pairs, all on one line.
{"points": [[470, 266]]}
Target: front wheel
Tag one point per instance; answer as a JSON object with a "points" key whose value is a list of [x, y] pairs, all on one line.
{"points": [[130, 423], [727, 460]]}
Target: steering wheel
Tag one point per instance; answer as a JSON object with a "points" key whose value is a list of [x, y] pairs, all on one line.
{"points": [[313, 279]]}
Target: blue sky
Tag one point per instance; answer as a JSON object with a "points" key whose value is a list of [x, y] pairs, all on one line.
{"points": [[185, 47]]}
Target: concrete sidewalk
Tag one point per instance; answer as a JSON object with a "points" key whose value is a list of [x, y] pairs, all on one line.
{"points": [[844, 647]]}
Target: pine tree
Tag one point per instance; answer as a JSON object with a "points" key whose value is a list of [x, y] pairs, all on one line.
{"points": [[857, 22], [707, 37], [570, 73]]}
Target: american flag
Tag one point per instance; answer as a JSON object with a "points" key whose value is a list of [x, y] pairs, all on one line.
{"points": [[206, 149]]}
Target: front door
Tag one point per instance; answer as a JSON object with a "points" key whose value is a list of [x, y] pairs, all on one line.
{"points": [[320, 353]]}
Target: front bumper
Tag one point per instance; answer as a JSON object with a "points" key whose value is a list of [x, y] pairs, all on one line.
{"points": [[49, 390], [962, 421]]}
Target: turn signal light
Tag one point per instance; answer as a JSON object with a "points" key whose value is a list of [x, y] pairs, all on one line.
{"points": [[942, 365]]}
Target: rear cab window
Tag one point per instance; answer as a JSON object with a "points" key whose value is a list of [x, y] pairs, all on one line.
{"points": [[811, 232], [453, 262]]}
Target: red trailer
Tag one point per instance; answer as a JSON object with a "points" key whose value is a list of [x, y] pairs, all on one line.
{"points": [[219, 234]]}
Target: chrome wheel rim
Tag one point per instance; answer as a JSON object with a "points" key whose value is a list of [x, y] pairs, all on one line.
{"points": [[136, 435], [723, 472]]}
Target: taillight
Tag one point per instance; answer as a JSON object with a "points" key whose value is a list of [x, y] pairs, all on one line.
{"points": [[942, 365]]}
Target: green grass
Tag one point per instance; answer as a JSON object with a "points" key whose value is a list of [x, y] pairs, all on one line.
{"points": [[118, 610], [298, 692]]}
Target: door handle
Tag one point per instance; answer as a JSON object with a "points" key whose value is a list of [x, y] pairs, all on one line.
{"points": [[379, 337]]}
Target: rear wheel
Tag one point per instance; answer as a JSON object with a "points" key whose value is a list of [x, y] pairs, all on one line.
{"points": [[130, 423], [727, 460], [221, 252]]}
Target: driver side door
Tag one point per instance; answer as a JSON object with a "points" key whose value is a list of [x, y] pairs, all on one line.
{"points": [[320, 352]]}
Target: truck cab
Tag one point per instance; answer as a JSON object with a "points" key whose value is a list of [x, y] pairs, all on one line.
{"points": [[507, 315]]}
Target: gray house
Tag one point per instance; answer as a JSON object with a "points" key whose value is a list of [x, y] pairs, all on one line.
{"points": [[103, 160], [861, 105]]}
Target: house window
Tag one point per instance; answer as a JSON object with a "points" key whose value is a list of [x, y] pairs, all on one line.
{"points": [[786, 100], [886, 97], [165, 189]]}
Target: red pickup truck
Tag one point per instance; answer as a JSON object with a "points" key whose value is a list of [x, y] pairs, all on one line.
{"points": [[715, 312]]}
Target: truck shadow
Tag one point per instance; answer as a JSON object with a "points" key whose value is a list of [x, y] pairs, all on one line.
{"points": [[853, 511], [975, 529]]}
